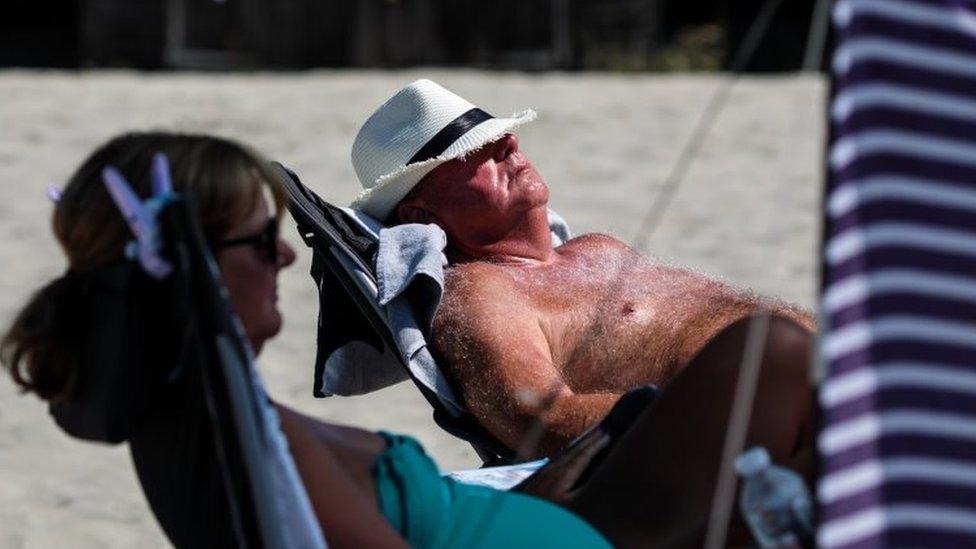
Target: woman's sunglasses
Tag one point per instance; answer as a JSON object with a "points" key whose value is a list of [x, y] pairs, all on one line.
{"points": [[265, 242]]}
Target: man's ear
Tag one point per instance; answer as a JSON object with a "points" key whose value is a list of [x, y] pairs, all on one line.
{"points": [[410, 211]]}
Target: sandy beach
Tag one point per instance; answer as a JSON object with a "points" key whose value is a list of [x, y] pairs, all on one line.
{"points": [[746, 213]]}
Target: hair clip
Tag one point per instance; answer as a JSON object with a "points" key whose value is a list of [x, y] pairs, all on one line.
{"points": [[141, 216], [53, 193], [162, 184]]}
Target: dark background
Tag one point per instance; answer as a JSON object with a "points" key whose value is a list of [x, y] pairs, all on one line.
{"points": [[612, 35]]}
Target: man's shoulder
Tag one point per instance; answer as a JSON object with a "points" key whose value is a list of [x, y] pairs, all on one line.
{"points": [[592, 241]]}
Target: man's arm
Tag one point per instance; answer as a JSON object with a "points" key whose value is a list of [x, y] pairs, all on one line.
{"points": [[492, 345], [792, 312]]}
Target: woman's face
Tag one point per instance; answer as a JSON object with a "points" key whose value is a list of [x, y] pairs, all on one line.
{"points": [[252, 279]]}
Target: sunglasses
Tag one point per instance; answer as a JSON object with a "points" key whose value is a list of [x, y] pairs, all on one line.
{"points": [[264, 242]]}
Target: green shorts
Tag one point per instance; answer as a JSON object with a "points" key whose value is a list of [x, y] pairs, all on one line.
{"points": [[432, 511]]}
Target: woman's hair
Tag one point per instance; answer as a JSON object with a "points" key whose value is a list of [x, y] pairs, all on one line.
{"points": [[224, 179]]}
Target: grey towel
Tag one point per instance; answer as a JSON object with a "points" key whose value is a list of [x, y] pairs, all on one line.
{"points": [[412, 257]]}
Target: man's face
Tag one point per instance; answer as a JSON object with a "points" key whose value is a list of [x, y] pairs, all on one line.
{"points": [[485, 194]]}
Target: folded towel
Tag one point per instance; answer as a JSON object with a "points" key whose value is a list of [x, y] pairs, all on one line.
{"points": [[411, 257], [406, 252]]}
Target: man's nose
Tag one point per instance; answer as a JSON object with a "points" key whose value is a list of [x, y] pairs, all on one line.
{"points": [[505, 146]]}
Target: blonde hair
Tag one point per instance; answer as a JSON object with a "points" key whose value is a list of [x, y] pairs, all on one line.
{"points": [[224, 179]]}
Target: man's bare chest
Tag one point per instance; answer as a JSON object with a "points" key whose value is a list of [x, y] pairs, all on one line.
{"points": [[615, 319]]}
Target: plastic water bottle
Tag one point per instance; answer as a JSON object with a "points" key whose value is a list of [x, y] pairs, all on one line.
{"points": [[774, 502]]}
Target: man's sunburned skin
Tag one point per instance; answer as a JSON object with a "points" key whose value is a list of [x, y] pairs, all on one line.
{"points": [[527, 330], [593, 294], [610, 318]]}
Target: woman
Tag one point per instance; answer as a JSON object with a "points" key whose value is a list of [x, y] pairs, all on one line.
{"points": [[367, 489]]}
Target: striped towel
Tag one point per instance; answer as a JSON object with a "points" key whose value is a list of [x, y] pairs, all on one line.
{"points": [[898, 443]]}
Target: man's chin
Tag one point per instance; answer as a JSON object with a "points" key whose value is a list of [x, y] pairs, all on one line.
{"points": [[540, 197], [537, 188]]}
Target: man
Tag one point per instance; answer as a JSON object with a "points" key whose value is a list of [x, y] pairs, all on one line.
{"points": [[530, 332]]}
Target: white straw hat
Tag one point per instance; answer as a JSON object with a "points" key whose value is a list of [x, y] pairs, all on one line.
{"points": [[419, 128]]}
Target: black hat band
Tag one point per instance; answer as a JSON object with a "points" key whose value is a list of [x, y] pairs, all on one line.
{"points": [[449, 134]]}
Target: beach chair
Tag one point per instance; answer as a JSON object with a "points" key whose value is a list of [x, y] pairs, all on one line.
{"points": [[344, 245]]}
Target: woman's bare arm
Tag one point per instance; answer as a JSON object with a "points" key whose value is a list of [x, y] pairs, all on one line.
{"points": [[346, 510]]}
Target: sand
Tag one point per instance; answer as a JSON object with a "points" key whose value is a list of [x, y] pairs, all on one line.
{"points": [[746, 213]]}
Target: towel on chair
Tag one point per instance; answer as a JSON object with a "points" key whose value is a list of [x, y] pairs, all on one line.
{"points": [[410, 274]]}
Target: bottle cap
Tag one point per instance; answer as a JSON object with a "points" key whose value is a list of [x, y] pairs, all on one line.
{"points": [[752, 461]]}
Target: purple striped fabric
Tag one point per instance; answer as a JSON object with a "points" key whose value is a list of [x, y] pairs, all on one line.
{"points": [[898, 399]]}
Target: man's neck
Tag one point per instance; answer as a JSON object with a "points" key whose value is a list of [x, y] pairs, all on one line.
{"points": [[528, 242]]}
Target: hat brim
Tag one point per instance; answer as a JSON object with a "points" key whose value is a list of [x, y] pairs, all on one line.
{"points": [[380, 199]]}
